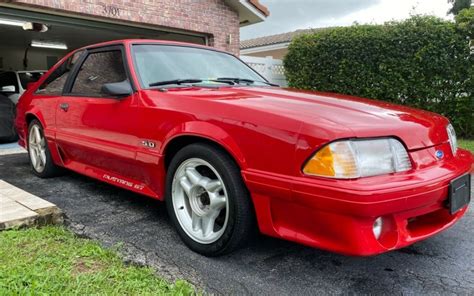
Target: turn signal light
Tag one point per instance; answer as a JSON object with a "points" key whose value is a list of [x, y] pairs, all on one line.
{"points": [[359, 158]]}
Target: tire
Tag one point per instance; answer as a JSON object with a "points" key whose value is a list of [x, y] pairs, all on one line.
{"points": [[38, 152], [7, 117], [192, 202]]}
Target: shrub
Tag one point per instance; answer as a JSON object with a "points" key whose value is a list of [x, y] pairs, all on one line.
{"points": [[423, 62]]}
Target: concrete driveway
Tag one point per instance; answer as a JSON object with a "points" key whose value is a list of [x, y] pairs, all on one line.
{"points": [[441, 265], [10, 148]]}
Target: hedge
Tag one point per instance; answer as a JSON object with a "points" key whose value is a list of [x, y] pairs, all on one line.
{"points": [[422, 62]]}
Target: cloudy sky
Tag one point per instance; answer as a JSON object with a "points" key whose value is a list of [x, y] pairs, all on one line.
{"points": [[290, 15]]}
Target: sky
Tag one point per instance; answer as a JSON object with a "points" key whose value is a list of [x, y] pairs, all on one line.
{"points": [[290, 15]]}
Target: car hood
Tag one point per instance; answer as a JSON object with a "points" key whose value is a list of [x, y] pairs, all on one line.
{"points": [[359, 117]]}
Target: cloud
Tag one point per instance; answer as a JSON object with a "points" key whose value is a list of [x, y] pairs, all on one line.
{"points": [[290, 15]]}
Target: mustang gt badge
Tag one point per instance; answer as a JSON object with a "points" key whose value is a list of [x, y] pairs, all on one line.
{"points": [[439, 154]]}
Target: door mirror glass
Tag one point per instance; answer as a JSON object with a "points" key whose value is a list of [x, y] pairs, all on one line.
{"points": [[8, 88], [117, 89]]}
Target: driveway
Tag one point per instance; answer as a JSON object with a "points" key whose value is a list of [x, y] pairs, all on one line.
{"points": [[10, 148], [441, 265]]}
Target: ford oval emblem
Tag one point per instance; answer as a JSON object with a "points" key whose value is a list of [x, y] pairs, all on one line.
{"points": [[439, 154]]}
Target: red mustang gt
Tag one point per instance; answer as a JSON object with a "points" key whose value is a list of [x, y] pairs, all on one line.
{"points": [[227, 150]]}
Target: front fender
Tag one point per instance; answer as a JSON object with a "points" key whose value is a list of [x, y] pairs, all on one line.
{"points": [[210, 132]]}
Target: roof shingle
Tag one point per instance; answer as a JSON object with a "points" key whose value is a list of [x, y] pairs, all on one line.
{"points": [[274, 39]]}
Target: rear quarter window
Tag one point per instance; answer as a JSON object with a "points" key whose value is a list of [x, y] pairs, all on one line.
{"points": [[54, 84]]}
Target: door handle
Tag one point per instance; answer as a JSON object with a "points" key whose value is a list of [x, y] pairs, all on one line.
{"points": [[64, 107]]}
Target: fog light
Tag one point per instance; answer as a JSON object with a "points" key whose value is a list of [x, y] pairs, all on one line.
{"points": [[377, 228]]}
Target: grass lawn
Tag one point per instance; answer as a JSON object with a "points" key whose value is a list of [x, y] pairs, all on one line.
{"points": [[467, 144], [51, 260]]}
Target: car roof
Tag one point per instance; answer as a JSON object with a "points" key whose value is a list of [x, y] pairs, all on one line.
{"points": [[148, 41]]}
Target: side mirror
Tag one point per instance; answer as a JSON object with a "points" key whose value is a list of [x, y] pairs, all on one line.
{"points": [[117, 89], [8, 88]]}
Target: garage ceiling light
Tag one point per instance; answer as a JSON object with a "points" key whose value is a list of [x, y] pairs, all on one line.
{"points": [[48, 45], [11, 22]]}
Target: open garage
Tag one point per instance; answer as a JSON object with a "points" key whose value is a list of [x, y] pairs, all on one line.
{"points": [[34, 35], [35, 41]]}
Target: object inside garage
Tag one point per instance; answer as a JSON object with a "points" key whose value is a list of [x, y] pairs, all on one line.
{"points": [[36, 41]]}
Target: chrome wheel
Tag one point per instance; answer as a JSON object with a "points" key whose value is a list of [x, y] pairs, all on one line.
{"points": [[37, 148], [200, 200]]}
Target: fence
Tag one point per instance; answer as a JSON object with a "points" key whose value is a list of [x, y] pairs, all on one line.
{"points": [[268, 67]]}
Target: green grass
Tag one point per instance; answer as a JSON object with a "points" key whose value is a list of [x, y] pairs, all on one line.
{"points": [[51, 260], [467, 144]]}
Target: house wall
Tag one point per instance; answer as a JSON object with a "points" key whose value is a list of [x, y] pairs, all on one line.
{"points": [[212, 17]]}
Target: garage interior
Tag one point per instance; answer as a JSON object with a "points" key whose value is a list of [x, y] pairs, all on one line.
{"points": [[36, 41]]}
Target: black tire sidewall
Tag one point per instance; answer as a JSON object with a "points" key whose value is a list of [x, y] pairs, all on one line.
{"points": [[238, 198]]}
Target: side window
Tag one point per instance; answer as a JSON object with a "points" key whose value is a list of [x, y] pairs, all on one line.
{"points": [[98, 69], [54, 84]]}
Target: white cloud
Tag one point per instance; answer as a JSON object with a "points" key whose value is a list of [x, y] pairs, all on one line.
{"points": [[289, 15], [388, 10]]}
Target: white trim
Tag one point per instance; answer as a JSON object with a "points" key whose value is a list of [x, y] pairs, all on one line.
{"points": [[253, 9], [248, 13], [265, 48]]}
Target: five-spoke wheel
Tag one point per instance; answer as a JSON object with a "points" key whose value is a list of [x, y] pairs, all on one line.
{"points": [[37, 148], [207, 200], [40, 157], [200, 200]]}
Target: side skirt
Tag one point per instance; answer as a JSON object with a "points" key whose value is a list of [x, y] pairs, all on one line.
{"points": [[112, 178]]}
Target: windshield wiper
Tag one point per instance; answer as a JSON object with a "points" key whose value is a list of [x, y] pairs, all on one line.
{"points": [[244, 80], [183, 81], [175, 81]]}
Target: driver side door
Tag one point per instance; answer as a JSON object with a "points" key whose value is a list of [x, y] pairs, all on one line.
{"points": [[96, 132]]}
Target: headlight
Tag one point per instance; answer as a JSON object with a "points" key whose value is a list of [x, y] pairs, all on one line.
{"points": [[359, 158], [453, 141]]}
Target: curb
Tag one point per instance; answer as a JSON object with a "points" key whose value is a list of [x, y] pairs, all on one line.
{"points": [[19, 208]]}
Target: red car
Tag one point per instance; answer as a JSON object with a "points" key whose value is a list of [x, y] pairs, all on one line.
{"points": [[227, 151]]}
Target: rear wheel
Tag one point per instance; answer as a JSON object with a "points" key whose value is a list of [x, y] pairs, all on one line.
{"points": [[207, 200], [38, 151]]}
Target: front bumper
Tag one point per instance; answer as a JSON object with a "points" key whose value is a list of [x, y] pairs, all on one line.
{"points": [[338, 215]]}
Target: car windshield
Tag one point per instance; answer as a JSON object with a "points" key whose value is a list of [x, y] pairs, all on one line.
{"points": [[156, 64], [28, 77]]}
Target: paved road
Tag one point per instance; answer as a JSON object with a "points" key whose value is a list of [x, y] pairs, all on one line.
{"points": [[441, 265]]}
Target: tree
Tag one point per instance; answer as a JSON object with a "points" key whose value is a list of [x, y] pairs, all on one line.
{"points": [[465, 22], [459, 5]]}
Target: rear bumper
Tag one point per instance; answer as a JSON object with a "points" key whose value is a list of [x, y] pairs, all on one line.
{"points": [[338, 215]]}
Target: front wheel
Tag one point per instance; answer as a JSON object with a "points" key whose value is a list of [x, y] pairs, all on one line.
{"points": [[208, 201]]}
